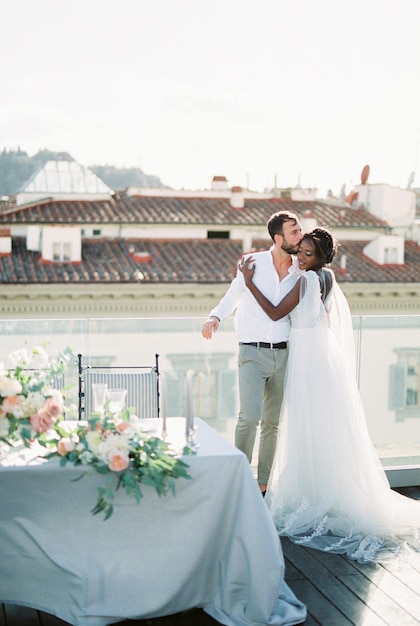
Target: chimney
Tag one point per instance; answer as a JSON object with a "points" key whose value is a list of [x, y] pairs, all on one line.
{"points": [[219, 183], [5, 242], [237, 198], [308, 221], [33, 238], [140, 256]]}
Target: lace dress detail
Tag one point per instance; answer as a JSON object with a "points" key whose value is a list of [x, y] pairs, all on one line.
{"points": [[327, 488]]}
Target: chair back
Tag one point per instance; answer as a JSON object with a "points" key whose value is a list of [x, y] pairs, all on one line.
{"points": [[142, 390], [142, 384]]}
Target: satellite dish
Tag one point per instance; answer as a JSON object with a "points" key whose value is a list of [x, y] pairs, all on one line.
{"points": [[352, 197], [410, 180], [365, 174]]}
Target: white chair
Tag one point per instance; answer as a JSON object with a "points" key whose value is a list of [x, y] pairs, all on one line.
{"points": [[141, 382]]}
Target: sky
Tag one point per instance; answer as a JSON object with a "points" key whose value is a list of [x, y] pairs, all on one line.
{"points": [[263, 92]]}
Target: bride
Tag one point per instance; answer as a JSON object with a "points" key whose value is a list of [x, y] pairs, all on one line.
{"points": [[327, 489]]}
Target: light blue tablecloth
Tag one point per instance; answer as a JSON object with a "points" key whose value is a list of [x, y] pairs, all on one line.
{"points": [[213, 545]]}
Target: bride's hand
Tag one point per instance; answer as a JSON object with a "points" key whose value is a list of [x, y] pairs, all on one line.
{"points": [[247, 267]]}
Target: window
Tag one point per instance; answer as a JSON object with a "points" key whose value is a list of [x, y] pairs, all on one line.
{"points": [[61, 251], [404, 384], [390, 255], [218, 234]]}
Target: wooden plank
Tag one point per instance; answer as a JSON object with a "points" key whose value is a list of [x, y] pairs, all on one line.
{"points": [[291, 572], [328, 581], [390, 596], [19, 615], [320, 610], [406, 573], [45, 619], [385, 606]]}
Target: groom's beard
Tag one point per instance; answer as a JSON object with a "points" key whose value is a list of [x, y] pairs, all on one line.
{"points": [[287, 247]]}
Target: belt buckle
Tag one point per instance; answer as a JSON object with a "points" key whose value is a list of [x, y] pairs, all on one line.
{"points": [[271, 346]]}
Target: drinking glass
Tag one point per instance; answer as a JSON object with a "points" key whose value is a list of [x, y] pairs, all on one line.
{"points": [[100, 395], [116, 399]]}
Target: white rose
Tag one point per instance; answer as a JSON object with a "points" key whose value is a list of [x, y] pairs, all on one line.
{"points": [[71, 411], [9, 386], [94, 439], [55, 394], [113, 443], [20, 358], [39, 358], [34, 401]]}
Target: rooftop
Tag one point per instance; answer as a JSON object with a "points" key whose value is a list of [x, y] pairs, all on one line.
{"points": [[185, 210], [205, 261]]}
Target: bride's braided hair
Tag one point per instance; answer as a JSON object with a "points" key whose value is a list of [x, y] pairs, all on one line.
{"points": [[325, 244]]}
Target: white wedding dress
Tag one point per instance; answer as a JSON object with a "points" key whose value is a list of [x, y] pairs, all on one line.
{"points": [[327, 489]]}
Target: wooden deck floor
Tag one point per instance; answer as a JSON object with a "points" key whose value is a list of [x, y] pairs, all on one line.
{"points": [[336, 591]]}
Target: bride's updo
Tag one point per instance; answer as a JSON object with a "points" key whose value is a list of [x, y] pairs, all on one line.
{"points": [[325, 244]]}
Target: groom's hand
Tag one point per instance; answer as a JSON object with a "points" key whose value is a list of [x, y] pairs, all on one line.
{"points": [[210, 326]]}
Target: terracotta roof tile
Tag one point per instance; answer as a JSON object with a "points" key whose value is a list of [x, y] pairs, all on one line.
{"points": [[172, 210], [360, 268], [182, 261], [110, 261]]}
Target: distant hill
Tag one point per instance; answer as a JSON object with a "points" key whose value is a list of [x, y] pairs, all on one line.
{"points": [[16, 167], [120, 178]]}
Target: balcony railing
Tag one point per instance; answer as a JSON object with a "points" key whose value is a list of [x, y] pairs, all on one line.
{"points": [[388, 370]]}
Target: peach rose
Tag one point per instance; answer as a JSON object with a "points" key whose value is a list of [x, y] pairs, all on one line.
{"points": [[122, 426], [13, 405], [41, 421], [118, 461], [65, 446]]}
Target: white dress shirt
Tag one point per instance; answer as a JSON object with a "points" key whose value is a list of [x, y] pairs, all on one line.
{"points": [[252, 324]]}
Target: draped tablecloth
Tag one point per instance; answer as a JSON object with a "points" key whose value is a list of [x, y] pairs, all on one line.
{"points": [[212, 545]]}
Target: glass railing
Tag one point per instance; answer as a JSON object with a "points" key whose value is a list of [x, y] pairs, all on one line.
{"points": [[388, 371]]}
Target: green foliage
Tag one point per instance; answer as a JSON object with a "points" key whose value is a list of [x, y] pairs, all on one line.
{"points": [[117, 447], [29, 404], [121, 178], [16, 167]]}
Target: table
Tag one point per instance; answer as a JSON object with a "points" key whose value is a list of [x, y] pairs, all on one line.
{"points": [[213, 545]]}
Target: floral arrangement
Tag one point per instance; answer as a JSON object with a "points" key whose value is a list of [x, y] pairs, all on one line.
{"points": [[116, 445], [120, 447], [29, 404]]}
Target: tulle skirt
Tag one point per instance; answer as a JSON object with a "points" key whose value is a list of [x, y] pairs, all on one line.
{"points": [[327, 488]]}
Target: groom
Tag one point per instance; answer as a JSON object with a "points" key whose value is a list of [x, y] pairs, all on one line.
{"points": [[262, 354]]}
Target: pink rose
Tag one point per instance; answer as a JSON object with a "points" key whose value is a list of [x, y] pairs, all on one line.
{"points": [[118, 462], [41, 421], [53, 407]]}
